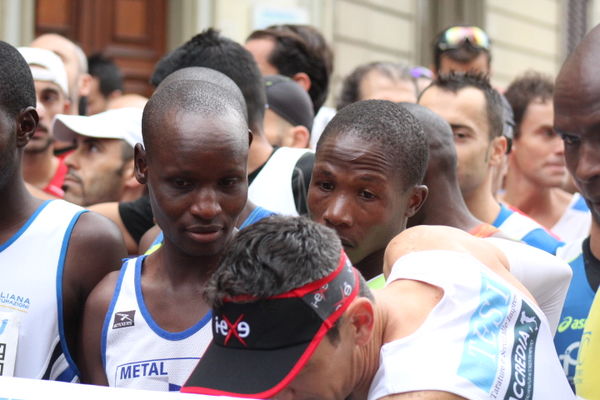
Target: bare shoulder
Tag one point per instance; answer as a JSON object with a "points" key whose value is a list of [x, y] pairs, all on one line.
{"points": [[424, 395], [426, 237], [96, 247]]}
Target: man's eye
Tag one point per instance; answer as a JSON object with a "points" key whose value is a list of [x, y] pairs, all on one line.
{"points": [[227, 182], [460, 135], [181, 183], [327, 186], [367, 195], [569, 140]]}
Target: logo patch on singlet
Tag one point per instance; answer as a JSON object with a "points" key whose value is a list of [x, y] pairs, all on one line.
{"points": [[520, 385], [123, 319]]}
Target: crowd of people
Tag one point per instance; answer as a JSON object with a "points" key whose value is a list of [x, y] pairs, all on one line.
{"points": [[431, 236]]}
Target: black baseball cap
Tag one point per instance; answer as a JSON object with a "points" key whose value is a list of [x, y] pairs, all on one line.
{"points": [[260, 345], [289, 100]]}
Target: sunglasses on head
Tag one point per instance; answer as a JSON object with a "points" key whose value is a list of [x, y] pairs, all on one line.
{"points": [[457, 36]]}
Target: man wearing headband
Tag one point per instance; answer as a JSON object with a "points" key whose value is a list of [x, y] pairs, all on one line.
{"points": [[293, 320], [462, 49], [40, 167]]}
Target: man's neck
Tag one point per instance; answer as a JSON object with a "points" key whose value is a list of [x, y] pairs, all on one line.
{"points": [[177, 268], [17, 206], [371, 265], [544, 204], [260, 151], [482, 204], [365, 361], [446, 206], [39, 168]]}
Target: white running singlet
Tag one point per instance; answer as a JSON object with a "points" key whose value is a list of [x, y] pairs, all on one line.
{"points": [[483, 340], [139, 354], [272, 187], [31, 270]]}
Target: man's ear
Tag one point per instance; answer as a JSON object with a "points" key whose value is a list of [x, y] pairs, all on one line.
{"points": [[27, 122], [303, 80], [300, 137], [129, 176], [85, 85], [141, 163], [360, 316], [416, 200], [497, 150], [250, 137]]}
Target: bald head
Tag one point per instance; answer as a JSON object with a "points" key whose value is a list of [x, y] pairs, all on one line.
{"points": [[439, 136], [200, 98], [207, 75], [578, 82]]}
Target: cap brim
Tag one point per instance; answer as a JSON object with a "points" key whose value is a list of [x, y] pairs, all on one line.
{"points": [[258, 374]]}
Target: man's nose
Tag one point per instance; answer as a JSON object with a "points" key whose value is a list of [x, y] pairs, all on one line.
{"points": [[206, 204], [337, 211], [588, 164]]}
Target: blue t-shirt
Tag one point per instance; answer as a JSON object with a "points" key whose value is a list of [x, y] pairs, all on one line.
{"points": [[575, 310]]}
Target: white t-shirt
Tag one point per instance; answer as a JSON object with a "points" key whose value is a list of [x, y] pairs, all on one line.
{"points": [[576, 221], [483, 340]]}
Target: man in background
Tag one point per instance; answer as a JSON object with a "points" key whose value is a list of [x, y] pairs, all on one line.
{"points": [[289, 114], [537, 170], [462, 49], [41, 168], [378, 80], [106, 83]]}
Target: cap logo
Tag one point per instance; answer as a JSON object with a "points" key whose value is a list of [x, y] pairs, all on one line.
{"points": [[319, 295], [240, 329]]}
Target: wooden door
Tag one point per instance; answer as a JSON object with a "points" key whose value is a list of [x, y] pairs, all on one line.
{"points": [[131, 32]]}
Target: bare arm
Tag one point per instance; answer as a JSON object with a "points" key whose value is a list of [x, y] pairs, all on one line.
{"points": [[95, 249], [111, 211], [90, 350]]}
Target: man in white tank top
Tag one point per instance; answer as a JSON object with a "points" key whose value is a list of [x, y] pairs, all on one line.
{"points": [[52, 253], [148, 326], [452, 322]]}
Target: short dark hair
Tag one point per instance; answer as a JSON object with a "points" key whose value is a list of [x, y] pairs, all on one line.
{"points": [[463, 54], [455, 81], [525, 89], [211, 50], [350, 92], [193, 96], [108, 73], [17, 90], [293, 54], [389, 125], [275, 255]]}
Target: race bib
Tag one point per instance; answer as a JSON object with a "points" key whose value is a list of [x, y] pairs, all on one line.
{"points": [[9, 337]]}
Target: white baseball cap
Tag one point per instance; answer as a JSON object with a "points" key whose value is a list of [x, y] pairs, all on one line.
{"points": [[121, 123], [46, 66]]}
